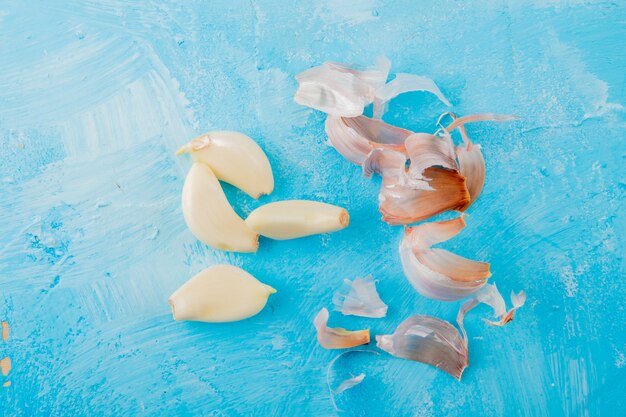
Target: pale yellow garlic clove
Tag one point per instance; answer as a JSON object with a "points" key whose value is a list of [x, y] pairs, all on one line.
{"points": [[297, 218], [209, 215], [221, 293], [235, 159]]}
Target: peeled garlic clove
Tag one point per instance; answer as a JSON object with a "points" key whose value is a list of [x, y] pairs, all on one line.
{"points": [[209, 215], [235, 159], [297, 218], [336, 337], [221, 293]]}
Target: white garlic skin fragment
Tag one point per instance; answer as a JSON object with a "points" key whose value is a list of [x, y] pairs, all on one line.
{"points": [[221, 293], [234, 158], [297, 218], [209, 215]]}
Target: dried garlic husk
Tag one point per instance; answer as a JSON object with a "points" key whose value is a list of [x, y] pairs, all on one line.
{"points": [[360, 298], [338, 338]]}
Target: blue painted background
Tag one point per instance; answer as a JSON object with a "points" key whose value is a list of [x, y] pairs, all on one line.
{"points": [[96, 96]]}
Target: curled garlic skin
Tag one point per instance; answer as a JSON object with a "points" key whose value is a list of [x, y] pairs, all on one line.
{"points": [[234, 158], [209, 215], [221, 293], [436, 273], [429, 340], [337, 337], [292, 219]]}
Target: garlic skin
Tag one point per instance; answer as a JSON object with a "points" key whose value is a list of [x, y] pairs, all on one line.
{"points": [[221, 293], [234, 158], [337, 337], [360, 298], [404, 83], [209, 215], [429, 340], [292, 219]]}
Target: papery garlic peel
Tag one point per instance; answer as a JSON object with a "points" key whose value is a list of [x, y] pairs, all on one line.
{"points": [[436, 273], [428, 340], [221, 293], [209, 215], [360, 298], [234, 158], [337, 337], [297, 218]]}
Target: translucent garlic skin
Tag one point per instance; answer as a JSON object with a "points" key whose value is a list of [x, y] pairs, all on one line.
{"points": [[337, 337], [221, 293], [297, 218], [355, 137], [209, 215], [360, 298], [234, 158], [428, 340], [436, 273]]}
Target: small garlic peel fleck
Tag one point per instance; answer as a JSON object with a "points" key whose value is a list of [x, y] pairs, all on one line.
{"points": [[209, 215], [221, 293], [292, 219], [234, 158]]}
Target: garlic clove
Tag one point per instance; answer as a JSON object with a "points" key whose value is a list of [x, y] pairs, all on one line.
{"points": [[221, 293], [297, 218], [234, 158], [209, 215]]}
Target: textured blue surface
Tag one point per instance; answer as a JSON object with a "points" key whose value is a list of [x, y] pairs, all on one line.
{"points": [[95, 96]]}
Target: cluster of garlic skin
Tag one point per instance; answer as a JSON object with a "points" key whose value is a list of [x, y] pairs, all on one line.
{"points": [[225, 293]]}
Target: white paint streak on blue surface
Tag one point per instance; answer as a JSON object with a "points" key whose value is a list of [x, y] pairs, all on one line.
{"points": [[95, 97]]}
